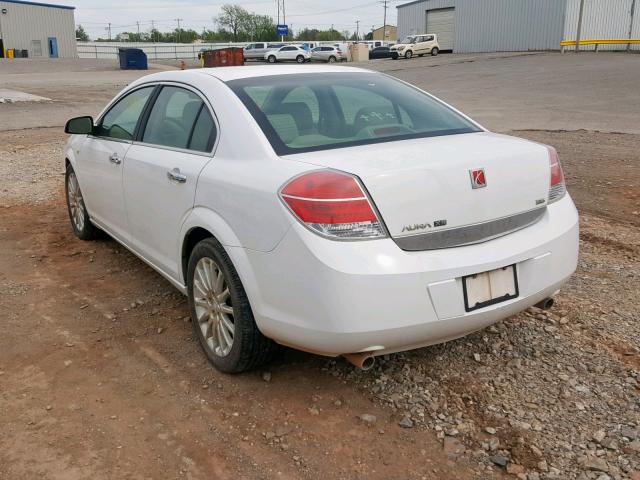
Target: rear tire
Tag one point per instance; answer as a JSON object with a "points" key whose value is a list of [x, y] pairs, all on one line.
{"points": [[332, 59], [271, 59], [434, 51], [300, 59], [220, 310], [80, 221], [408, 54]]}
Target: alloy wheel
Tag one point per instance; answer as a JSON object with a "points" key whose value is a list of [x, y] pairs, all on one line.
{"points": [[76, 203], [214, 311]]}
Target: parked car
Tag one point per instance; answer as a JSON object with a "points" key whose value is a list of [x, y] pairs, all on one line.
{"points": [[380, 52], [326, 53], [416, 45], [356, 215], [256, 51], [288, 53]]}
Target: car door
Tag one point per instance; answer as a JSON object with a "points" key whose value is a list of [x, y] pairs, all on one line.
{"points": [[419, 45], [429, 43], [289, 53], [161, 171], [101, 157]]}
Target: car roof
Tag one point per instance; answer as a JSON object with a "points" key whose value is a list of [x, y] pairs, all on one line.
{"points": [[233, 73], [227, 74]]}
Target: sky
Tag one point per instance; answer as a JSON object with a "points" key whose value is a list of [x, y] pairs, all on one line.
{"points": [[197, 14]]}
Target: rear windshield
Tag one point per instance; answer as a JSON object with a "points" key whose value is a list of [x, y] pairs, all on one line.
{"points": [[320, 111]]}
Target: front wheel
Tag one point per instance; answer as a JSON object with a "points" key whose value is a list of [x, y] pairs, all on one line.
{"points": [[434, 51], [271, 59], [220, 311], [300, 59], [82, 226], [408, 54]]}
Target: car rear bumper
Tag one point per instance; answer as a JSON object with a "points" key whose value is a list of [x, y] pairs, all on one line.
{"points": [[334, 297]]}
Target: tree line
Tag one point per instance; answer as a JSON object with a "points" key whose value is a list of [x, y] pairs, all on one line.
{"points": [[234, 24]]}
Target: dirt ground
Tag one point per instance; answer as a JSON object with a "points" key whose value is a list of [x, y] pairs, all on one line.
{"points": [[100, 376]]}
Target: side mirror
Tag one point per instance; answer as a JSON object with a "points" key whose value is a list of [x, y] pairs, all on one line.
{"points": [[79, 126]]}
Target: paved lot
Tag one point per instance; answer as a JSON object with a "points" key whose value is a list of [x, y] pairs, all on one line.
{"points": [[543, 91], [100, 376]]}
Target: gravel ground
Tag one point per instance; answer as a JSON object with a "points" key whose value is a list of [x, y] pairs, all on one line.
{"points": [[30, 166], [550, 394], [543, 395]]}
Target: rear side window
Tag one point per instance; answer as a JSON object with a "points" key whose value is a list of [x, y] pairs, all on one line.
{"points": [[204, 132], [174, 118], [121, 119]]}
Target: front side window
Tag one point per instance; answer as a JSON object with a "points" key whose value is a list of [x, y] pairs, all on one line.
{"points": [[121, 119], [172, 120], [408, 40], [335, 110]]}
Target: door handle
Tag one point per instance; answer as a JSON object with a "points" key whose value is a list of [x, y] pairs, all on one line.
{"points": [[176, 176], [114, 158]]}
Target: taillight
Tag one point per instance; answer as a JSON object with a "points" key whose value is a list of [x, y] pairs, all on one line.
{"points": [[332, 204], [557, 187]]}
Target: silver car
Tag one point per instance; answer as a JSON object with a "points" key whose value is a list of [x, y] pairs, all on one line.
{"points": [[256, 51], [326, 54]]}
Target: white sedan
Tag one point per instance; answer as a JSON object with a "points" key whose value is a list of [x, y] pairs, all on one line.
{"points": [[288, 53], [331, 209]]}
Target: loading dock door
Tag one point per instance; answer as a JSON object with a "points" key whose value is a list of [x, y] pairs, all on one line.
{"points": [[441, 22]]}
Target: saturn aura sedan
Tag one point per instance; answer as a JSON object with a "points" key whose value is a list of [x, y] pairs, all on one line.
{"points": [[330, 209]]}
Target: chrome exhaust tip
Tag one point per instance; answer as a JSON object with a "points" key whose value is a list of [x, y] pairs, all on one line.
{"points": [[364, 361], [545, 304]]}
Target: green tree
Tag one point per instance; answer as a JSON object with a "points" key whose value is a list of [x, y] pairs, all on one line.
{"points": [[234, 18], [81, 35]]}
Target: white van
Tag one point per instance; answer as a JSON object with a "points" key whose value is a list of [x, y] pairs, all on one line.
{"points": [[416, 45]]}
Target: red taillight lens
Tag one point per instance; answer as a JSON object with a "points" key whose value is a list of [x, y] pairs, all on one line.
{"points": [[332, 204], [557, 187]]}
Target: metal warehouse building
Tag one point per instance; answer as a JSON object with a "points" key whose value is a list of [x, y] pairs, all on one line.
{"points": [[465, 26], [42, 29]]}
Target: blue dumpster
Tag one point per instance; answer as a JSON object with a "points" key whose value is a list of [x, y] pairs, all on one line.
{"points": [[132, 59]]}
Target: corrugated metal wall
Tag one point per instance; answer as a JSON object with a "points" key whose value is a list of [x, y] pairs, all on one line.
{"points": [[602, 19], [493, 25], [23, 23]]}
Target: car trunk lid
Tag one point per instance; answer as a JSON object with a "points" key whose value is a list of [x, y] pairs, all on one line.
{"points": [[449, 190]]}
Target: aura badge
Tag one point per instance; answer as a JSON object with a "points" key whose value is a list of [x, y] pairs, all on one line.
{"points": [[478, 179]]}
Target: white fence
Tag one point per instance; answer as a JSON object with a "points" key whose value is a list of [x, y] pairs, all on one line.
{"points": [[179, 51], [154, 51]]}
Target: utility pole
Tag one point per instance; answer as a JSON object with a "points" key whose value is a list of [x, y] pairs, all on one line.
{"points": [[284, 16], [357, 30], [153, 31], [109, 30], [331, 35], [178, 31], [138, 25], [384, 23], [578, 31], [633, 8]]}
